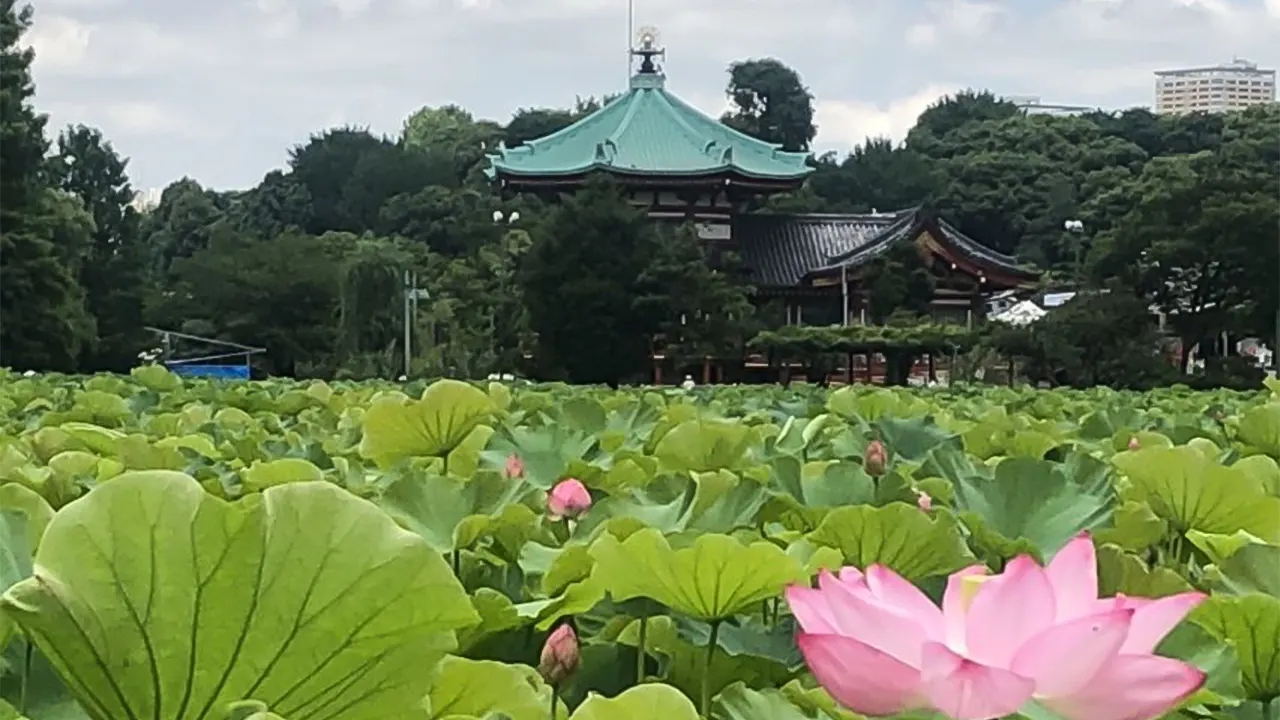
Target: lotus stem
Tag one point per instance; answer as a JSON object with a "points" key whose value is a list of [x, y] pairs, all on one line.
{"points": [[457, 563], [706, 669], [644, 625], [27, 657], [555, 697]]}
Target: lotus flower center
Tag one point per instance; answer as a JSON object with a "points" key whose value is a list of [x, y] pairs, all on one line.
{"points": [[969, 588]]}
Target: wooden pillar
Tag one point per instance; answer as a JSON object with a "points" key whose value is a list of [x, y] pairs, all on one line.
{"points": [[706, 370]]}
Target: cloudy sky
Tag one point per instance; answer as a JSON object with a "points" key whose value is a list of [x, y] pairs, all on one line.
{"points": [[220, 90]]}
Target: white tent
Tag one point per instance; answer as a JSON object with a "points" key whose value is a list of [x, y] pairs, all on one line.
{"points": [[1024, 313]]}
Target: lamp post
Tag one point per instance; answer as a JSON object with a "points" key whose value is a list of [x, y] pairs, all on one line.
{"points": [[1076, 228]]}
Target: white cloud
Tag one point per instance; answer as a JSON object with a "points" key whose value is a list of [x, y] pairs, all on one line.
{"points": [[844, 124], [261, 74], [141, 117], [279, 18], [921, 35], [349, 9], [60, 43]]}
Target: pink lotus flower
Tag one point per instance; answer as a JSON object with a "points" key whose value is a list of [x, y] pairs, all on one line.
{"points": [[874, 458], [923, 501], [512, 467], [1133, 443], [879, 646], [568, 499], [559, 655]]}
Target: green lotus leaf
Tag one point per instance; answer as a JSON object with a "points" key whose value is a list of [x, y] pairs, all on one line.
{"points": [[1193, 644], [1042, 502], [35, 514], [1193, 492], [432, 426], [705, 445], [1121, 572], [911, 438], [1251, 568], [817, 704], [200, 444], [154, 599], [738, 702], [811, 489], [484, 688], [156, 377], [1260, 428], [101, 440], [261, 475], [685, 659], [545, 452], [449, 512], [642, 702], [1135, 527], [899, 536], [1221, 547], [1262, 469], [1251, 625], [713, 579]]}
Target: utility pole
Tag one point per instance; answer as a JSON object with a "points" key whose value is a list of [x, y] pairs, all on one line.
{"points": [[410, 296]]}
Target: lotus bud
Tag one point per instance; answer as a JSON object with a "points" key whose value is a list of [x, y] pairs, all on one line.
{"points": [[923, 501], [559, 655], [1133, 443], [568, 499], [874, 458], [513, 468]]}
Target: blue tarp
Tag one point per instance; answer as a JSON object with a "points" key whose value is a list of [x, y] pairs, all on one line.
{"points": [[233, 372]]}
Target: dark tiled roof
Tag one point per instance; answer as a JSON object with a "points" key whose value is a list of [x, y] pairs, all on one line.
{"points": [[782, 249]]}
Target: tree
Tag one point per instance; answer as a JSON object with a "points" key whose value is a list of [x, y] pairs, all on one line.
{"points": [[876, 175], [281, 294], [898, 282], [279, 202], [1097, 338], [451, 134], [953, 112], [350, 174], [1199, 239], [181, 224], [579, 279], [771, 103], [532, 123], [699, 304], [43, 324], [1014, 182], [114, 273]]}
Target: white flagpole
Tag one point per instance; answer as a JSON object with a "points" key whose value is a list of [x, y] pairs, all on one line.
{"points": [[631, 34]]}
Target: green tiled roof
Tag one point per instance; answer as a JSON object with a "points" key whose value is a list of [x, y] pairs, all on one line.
{"points": [[648, 131]]}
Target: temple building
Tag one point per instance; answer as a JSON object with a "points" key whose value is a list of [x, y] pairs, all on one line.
{"points": [[682, 164]]}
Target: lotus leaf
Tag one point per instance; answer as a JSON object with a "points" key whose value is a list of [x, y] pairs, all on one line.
{"points": [[155, 599]]}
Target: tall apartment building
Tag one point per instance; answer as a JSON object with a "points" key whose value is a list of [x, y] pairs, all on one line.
{"points": [[1231, 86]]}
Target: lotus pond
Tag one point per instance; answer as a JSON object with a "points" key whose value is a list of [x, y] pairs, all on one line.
{"points": [[178, 549]]}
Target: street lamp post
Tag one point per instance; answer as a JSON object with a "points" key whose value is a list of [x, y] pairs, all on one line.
{"points": [[1076, 228]]}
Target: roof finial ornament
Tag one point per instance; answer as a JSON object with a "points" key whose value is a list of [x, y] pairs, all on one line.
{"points": [[647, 47]]}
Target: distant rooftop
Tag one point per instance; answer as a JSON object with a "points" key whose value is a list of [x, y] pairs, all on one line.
{"points": [[1237, 66]]}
